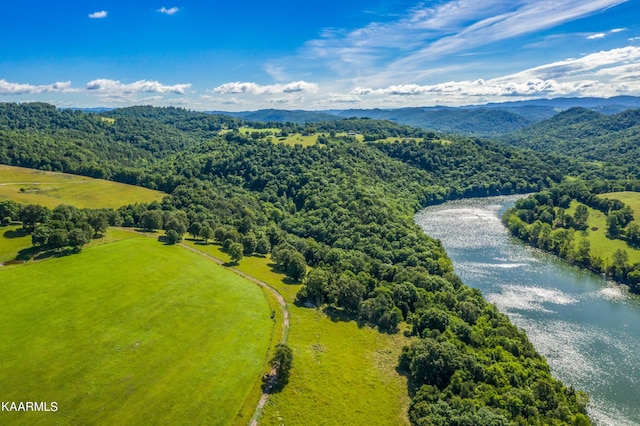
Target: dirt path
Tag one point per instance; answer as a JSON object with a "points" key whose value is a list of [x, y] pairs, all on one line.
{"points": [[285, 319], [283, 307]]}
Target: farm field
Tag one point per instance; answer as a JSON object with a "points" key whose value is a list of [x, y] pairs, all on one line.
{"points": [[132, 332], [342, 373], [51, 189]]}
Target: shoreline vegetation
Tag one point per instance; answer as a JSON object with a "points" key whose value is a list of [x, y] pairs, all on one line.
{"points": [[595, 231]]}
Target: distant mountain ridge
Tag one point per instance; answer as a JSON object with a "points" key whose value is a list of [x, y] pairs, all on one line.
{"points": [[588, 135], [479, 120]]}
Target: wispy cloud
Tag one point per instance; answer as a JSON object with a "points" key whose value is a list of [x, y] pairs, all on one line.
{"points": [[603, 35], [98, 15], [170, 11], [257, 89], [8, 88], [435, 30], [115, 87]]}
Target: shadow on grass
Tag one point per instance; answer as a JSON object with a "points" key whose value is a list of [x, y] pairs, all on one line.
{"points": [[37, 253], [16, 233], [341, 315], [287, 280]]}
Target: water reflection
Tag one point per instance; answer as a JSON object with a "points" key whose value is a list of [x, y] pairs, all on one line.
{"points": [[588, 330]]}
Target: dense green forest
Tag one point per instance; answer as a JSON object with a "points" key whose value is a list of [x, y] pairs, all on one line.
{"points": [[345, 209], [608, 143]]}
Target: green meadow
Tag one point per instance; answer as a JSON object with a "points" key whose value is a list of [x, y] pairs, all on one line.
{"points": [[342, 373], [601, 245], [131, 332], [50, 189]]}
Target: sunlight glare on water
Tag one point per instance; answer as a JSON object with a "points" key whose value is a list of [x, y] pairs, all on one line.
{"points": [[588, 329]]}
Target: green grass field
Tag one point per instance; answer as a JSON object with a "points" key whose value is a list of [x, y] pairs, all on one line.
{"points": [[131, 332], [602, 246], [51, 189], [342, 373]]}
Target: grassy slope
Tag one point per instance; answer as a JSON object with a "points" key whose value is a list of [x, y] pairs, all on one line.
{"points": [[118, 337], [601, 245], [342, 374], [12, 240], [50, 189]]}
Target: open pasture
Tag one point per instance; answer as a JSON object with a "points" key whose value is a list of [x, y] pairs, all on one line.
{"points": [[131, 332], [50, 189]]}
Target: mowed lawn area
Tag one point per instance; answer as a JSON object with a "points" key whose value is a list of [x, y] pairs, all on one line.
{"points": [[131, 332], [50, 189]]}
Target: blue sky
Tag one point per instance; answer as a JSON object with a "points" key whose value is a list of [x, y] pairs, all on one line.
{"points": [[247, 55]]}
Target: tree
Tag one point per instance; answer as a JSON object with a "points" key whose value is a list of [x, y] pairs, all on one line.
{"points": [[172, 237], [150, 220], [281, 363], [98, 221], [580, 216], [296, 267], [236, 251], [58, 238], [263, 246], [195, 229], [249, 243], [633, 234], [206, 233], [619, 263], [32, 214], [316, 284], [177, 225], [583, 252], [77, 238], [40, 236]]}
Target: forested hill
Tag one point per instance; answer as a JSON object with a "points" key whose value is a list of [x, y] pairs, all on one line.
{"points": [[343, 207], [588, 135]]}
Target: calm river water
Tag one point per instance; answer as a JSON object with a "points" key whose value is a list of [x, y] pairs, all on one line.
{"points": [[588, 329]]}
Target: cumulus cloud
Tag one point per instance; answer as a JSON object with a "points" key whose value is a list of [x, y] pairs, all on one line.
{"points": [[605, 73], [8, 88], [257, 89], [98, 15], [115, 87], [170, 11]]}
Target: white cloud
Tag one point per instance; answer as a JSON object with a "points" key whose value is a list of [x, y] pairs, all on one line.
{"points": [[8, 88], [257, 89], [170, 11], [98, 15], [115, 87], [603, 35], [606, 73]]}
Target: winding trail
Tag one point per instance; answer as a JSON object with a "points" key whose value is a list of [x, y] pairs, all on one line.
{"points": [[283, 307]]}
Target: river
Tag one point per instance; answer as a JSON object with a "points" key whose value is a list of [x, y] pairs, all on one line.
{"points": [[588, 329]]}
